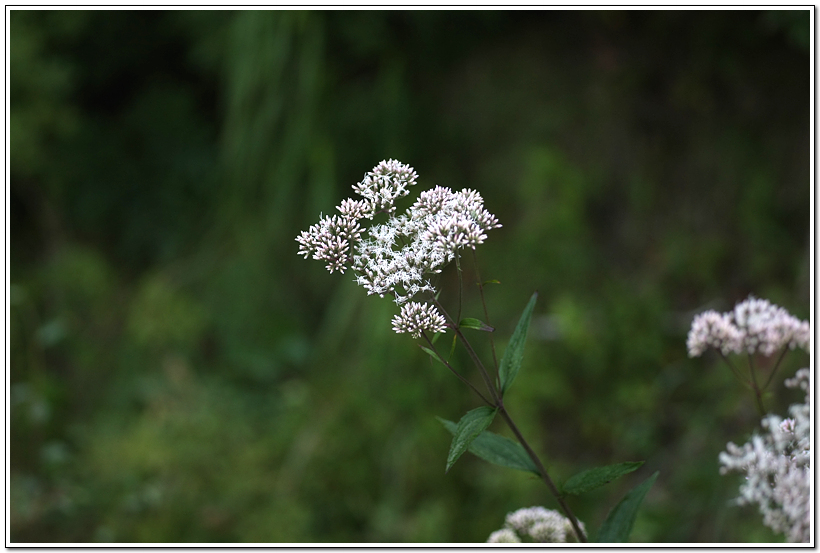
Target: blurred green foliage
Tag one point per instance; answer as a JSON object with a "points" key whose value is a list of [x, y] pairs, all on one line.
{"points": [[179, 374]]}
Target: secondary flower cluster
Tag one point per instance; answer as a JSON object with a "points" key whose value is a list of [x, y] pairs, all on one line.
{"points": [[753, 326], [777, 468], [536, 523], [417, 317], [399, 256]]}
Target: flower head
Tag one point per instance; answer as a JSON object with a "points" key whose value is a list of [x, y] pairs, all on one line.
{"points": [[329, 240], [418, 317], [712, 329], [536, 523], [753, 326], [505, 535], [387, 181], [777, 468], [400, 255]]}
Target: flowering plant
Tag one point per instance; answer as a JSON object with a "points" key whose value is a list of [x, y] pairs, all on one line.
{"points": [[777, 464], [398, 258], [754, 326]]}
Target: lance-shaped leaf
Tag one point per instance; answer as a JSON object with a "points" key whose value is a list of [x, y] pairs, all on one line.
{"points": [[475, 324], [514, 353], [468, 428], [597, 477], [497, 450], [432, 354], [618, 524]]}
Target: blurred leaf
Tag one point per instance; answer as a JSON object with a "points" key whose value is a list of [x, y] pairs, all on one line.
{"points": [[493, 281], [497, 450], [452, 347], [618, 524], [475, 324], [469, 427], [514, 354], [431, 353], [597, 477]]}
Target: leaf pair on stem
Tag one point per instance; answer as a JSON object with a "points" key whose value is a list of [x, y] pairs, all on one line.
{"points": [[471, 434]]}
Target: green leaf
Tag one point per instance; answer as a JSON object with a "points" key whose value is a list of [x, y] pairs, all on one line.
{"points": [[597, 477], [432, 354], [618, 524], [469, 427], [514, 353], [493, 281], [452, 347], [497, 450], [475, 324]]}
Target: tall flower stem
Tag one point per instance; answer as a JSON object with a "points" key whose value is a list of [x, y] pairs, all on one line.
{"points": [[498, 403], [455, 372], [544, 476], [460, 288], [486, 317], [733, 369], [758, 395], [490, 386], [774, 369]]}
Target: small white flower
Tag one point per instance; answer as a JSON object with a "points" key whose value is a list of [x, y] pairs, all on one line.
{"points": [[505, 535], [417, 317], [356, 209], [430, 202], [787, 426], [715, 330], [455, 232], [766, 327], [538, 524], [398, 256], [329, 240], [753, 326], [387, 181], [777, 466]]}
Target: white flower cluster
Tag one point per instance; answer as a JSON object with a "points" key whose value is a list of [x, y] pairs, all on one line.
{"points": [[397, 257], [755, 325], [537, 523], [417, 317], [329, 240], [777, 468], [387, 181]]}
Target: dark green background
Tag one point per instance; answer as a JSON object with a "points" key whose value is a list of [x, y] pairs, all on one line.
{"points": [[178, 373]]}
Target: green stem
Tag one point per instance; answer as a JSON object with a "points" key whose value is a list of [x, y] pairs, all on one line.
{"points": [[544, 476], [499, 404], [493, 392], [776, 365], [734, 370], [495, 395], [460, 287], [487, 319], [455, 372], [758, 396]]}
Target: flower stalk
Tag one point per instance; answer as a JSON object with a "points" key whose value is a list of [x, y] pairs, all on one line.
{"points": [[399, 258]]}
